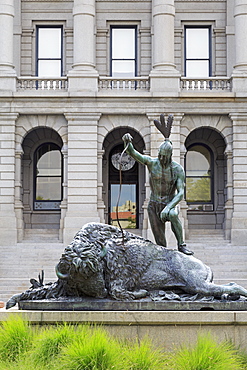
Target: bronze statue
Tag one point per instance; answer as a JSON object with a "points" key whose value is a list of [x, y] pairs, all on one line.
{"points": [[167, 186], [97, 264]]}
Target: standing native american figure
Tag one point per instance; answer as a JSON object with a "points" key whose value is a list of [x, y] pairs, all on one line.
{"points": [[167, 186]]}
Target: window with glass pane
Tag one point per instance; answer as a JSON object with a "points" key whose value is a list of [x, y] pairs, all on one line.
{"points": [[126, 207], [123, 52], [197, 52], [198, 174], [48, 173], [49, 51]]}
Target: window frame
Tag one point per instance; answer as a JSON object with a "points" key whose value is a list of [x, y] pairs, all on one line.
{"points": [[48, 204], [201, 202], [37, 59], [209, 59], [134, 27]]}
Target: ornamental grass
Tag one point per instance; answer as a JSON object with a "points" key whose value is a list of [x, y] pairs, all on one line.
{"points": [[89, 347], [208, 354]]}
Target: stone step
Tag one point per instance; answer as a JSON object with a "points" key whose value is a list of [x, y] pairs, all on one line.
{"points": [[206, 234], [41, 235]]}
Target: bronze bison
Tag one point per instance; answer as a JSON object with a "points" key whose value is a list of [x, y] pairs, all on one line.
{"points": [[101, 262]]}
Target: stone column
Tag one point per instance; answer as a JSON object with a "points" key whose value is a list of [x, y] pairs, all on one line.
{"points": [[164, 77], [82, 173], [7, 72], [18, 197], [8, 224], [239, 174], [240, 70], [84, 76], [230, 36], [229, 194]]}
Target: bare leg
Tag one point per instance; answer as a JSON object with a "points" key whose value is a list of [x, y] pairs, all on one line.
{"points": [[178, 231], [158, 227]]}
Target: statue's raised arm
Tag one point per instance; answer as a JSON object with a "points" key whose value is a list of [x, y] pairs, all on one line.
{"points": [[143, 159]]}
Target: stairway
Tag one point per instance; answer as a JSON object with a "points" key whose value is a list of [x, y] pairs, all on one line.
{"points": [[227, 262], [40, 250]]}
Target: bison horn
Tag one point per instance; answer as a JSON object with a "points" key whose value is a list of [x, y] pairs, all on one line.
{"points": [[60, 275]]}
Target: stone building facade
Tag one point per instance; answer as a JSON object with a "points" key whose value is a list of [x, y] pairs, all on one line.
{"points": [[77, 75]]}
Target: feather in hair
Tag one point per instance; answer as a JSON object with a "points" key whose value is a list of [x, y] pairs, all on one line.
{"points": [[163, 126]]}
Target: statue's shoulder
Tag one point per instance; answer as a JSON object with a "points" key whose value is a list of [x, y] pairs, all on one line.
{"points": [[177, 168]]}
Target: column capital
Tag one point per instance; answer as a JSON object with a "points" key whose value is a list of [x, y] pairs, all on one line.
{"points": [[8, 116], [100, 153], [240, 8], [163, 7], [152, 116], [82, 116], [178, 116], [238, 116]]}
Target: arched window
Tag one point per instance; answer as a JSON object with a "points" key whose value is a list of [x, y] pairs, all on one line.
{"points": [[199, 174], [48, 177], [128, 202]]}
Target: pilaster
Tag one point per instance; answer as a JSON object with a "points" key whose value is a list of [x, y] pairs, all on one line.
{"points": [[239, 176], [64, 203], [229, 194], [82, 200], [8, 221], [18, 198], [100, 202]]}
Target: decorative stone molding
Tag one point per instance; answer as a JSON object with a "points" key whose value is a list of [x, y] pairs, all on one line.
{"points": [[46, 1], [199, 1], [123, 1]]}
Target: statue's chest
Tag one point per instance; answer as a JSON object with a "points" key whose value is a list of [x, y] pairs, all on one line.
{"points": [[162, 175]]}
